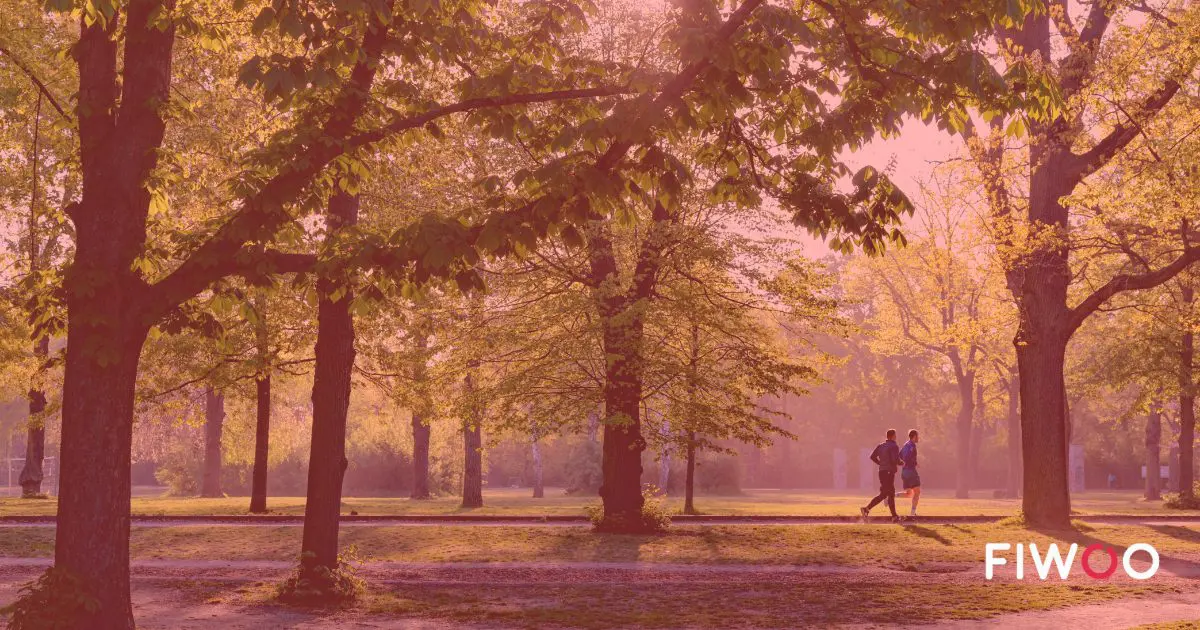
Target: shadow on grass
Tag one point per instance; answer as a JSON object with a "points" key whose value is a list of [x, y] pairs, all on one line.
{"points": [[1177, 531], [1178, 566], [925, 532]]}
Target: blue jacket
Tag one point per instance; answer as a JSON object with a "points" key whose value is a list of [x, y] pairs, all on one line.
{"points": [[908, 455], [887, 455]]}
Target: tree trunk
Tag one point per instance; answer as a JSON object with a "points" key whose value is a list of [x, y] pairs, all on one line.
{"points": [[1014, 437], [622, 315], [35, 436], [262, 424], [92, 537], [978, 433], [262, 438], [1046, 496], [105, 302], [214, 423], [1153, 453], [689, 491], [472, 494], [966, 418], [539, 490], [621, 491], [1187, 402], [331, 400]]}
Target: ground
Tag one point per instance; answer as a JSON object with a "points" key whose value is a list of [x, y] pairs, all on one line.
{"points": [[511, 501], [546, 575]]}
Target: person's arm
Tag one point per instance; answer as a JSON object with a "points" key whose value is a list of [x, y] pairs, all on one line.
{"points": [[875, 456]]}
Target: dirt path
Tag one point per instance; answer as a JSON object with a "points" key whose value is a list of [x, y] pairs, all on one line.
{"points": [[1127, 613]]}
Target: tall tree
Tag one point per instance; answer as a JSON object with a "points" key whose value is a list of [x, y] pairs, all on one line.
{"points": [[1062, 154]]}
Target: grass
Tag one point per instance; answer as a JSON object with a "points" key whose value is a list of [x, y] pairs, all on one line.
{"points": [[886, 546], [509, 501], [717, 605]]}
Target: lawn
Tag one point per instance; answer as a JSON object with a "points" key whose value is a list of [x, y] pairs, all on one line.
{"points": [[509, 501], [910, 548]]}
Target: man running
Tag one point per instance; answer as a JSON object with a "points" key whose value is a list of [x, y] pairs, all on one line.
{"points": [[886, 456], [908, 474]]}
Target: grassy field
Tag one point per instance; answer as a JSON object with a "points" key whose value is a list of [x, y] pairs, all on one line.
{"points": [[507, 501], [883, 546]]}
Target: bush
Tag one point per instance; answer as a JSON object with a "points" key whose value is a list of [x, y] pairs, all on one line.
{"points": [[180, 470], [1176, 501], [320, 586], [653, 518], [56, 600], [584, 474], [719, 475]]}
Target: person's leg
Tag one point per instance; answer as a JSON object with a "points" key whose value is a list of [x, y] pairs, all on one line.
{"points": [[916, 497], [887, 482]]}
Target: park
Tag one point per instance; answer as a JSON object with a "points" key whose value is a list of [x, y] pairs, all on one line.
{"points": [[435, 314]]}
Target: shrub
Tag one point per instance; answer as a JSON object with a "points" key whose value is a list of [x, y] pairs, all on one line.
{"points": [[1176, 501], [321, 586], [719, 475], [653, 518], [584, 474], [55, 601], [180, 470]]}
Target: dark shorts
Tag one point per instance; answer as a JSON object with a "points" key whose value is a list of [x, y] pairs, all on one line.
{"points": [[910, 478]]}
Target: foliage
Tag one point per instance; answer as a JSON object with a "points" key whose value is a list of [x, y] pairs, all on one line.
{"points": [[54, 601], [1177, 500], [654, 518], [320, 586]]}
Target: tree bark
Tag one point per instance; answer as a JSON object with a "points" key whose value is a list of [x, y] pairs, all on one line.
{"points": [[689, 491], [331, 401], [963, 426], [472, 493], [978, 433], [262, 398], [1153, 454], [214, 423], [420, 427], [104, 298], [262, 443], [1014, 437], [622, 315], [539, 491], [32, 472], [1187, 401]]}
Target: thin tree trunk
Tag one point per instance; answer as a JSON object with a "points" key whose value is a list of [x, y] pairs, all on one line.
{"points": [[978, 432], [331, 401], [1014, 437], [1153, 453], [35, 437], [966, 418], [420, 427], [539, 490], [262, 448], [472, 494], [689, 492], [214, 423], [262, 424], [1187, 402]]}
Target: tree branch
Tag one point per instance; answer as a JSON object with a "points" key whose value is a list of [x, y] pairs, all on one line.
{"points": [[1128, 282], [1081, 165], [41, 86]]}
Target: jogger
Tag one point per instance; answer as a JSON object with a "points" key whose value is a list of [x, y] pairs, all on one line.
{"points": [[887, 457]]}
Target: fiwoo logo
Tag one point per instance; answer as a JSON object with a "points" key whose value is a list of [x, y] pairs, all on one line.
{"points": [[1042, 564]]}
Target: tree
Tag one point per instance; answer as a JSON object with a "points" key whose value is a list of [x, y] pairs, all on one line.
{"points": [[939, 295], [1062, 155]]}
